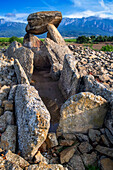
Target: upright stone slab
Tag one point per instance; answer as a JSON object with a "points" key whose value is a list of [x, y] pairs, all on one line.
{"points": [[38, 48], [37, 22], [20, 73], [33, 120], [69, 79], [31, 41], [55, 35], [25, 57], [11, 49], [56, 52]]}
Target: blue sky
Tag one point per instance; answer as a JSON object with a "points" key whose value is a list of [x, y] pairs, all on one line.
{"points": [[19, 10]]}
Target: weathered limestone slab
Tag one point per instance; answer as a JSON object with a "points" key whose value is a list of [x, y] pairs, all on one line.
{"points": [[33, 120], [67, 154], [55, 35], [4, 92], [37, 22], [6, 119], [82, 112], [106, 164], [8, 138], [20, 73], [12, 93], [94, 135], [85, 147], [40, 57], [39, 50], [105, 150], [6, 165], [51, 140], [40, 158], [91, 85], [56, 52], [11, 49], [16, 159], [25, 57], [69, 79], [44, 166], [76, 163], [55, 71], [31, 41], [89, 159], [8, 106]]}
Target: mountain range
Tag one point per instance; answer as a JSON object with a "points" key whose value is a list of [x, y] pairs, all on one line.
{"points": [[69, 27]]}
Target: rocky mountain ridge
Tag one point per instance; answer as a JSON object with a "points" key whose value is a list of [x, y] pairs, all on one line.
{"points": [[69, 27]]}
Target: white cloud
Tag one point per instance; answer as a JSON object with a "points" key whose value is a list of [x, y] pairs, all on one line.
{"points": [[88, 13], [94, 5], [19, 17], [98, 8]]}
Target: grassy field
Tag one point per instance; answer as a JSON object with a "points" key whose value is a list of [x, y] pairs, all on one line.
{"points": [[105, 46], [70, 40], [5, 42], [4, 39]]}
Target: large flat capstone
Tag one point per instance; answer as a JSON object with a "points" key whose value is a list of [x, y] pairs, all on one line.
{"points": [[37, 22], [33, 120]]}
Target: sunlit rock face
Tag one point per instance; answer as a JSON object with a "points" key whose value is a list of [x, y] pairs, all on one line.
{"points": [[81, 112]]}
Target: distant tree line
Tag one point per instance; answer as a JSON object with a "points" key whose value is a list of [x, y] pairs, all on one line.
{"points": [[20, 40], [11, 39], [93, 39]]}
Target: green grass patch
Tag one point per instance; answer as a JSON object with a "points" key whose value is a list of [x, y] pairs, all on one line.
{"points": [[20, 40], [11, 39], [4, 39], [66, 40], [107, 48], [42, 39], [70, 40]]}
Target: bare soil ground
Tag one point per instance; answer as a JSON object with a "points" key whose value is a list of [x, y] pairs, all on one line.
{"points": [[95, 46], [99, 46], [50, 94]]}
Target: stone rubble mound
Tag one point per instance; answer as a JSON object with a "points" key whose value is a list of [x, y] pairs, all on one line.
{"points": [[84, 138]]}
